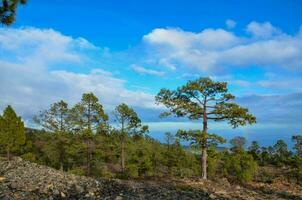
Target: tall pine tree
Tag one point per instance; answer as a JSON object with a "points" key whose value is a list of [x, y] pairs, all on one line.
{"points": [[204, 99], [12, 132], [87, 117]]}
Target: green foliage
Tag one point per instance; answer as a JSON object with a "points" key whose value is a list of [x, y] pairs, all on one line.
{"points": [[29, 156], [88, 114], [80, 139], [214, 162], [255, 150], [241, 166], [207, 100], [298, 170], [56, 119], [87, 118], [132, 171], [298, 144], [281, 154], [237, 143], [77, 171], [204, 95], [12, 133], [129, 125], [196, 137], [8, 11]]}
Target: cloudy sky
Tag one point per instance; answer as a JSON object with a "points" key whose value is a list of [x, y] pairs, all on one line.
{"points": [[126, 51]]}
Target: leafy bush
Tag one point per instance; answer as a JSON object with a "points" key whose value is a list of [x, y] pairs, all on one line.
{"points": [[297, 173], [131, 171], [106, 173], [29, 156], [214, 162], [241, 166], [77, 171]]}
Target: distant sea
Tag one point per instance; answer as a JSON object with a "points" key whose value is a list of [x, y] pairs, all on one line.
{"points": [[264, 137]]}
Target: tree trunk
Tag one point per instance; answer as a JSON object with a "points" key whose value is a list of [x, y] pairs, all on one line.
{"points": [[204, 143], [123, 148], [7, 153], [88, 157], [204, 163], [123, 154], [62, 160]]}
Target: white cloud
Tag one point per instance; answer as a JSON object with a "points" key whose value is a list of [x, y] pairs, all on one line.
{"points": [[29, 82], [143, 70], [165, 62], [44, 45], [230, 23], [180, 40], [264, 30], [213, 50]]}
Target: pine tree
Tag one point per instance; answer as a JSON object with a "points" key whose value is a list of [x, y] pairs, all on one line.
{"points": [[207, 100], [87, 117], [57, 121], [129, 124], [12, 132]]}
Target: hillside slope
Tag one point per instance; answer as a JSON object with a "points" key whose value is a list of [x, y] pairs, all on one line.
{"points": [[24, 180]]}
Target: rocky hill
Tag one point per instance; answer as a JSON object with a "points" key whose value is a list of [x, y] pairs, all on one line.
{"points": [[24, 180]]}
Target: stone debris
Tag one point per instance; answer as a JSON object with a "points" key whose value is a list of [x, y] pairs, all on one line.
{"points": [[24, 180]]}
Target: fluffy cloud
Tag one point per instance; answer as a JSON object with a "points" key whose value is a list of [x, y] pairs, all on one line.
{"points": [[30, 82], [43, 45], [181, 40], [230, 23], [213, 50], [143, 70], [265, 29]]}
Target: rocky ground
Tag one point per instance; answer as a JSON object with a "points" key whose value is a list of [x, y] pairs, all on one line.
{"points": [[24, 180]]}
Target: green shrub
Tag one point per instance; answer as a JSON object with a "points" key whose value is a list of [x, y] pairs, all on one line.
{"points": [[297, 173], [29, 156], [106, 173], [132, 171], [240, 166], [214, 161], [77, 171]]}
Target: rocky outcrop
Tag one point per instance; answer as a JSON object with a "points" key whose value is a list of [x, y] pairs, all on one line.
{"points": [[24, 180]]}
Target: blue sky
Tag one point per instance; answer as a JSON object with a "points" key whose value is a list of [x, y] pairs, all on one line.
{"points": [[126, 51]]}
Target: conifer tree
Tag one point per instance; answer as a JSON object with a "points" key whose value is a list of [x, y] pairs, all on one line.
{"points": [[57, 121], [87, 117], [129, 124], [207, 100], [12, 132]]}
